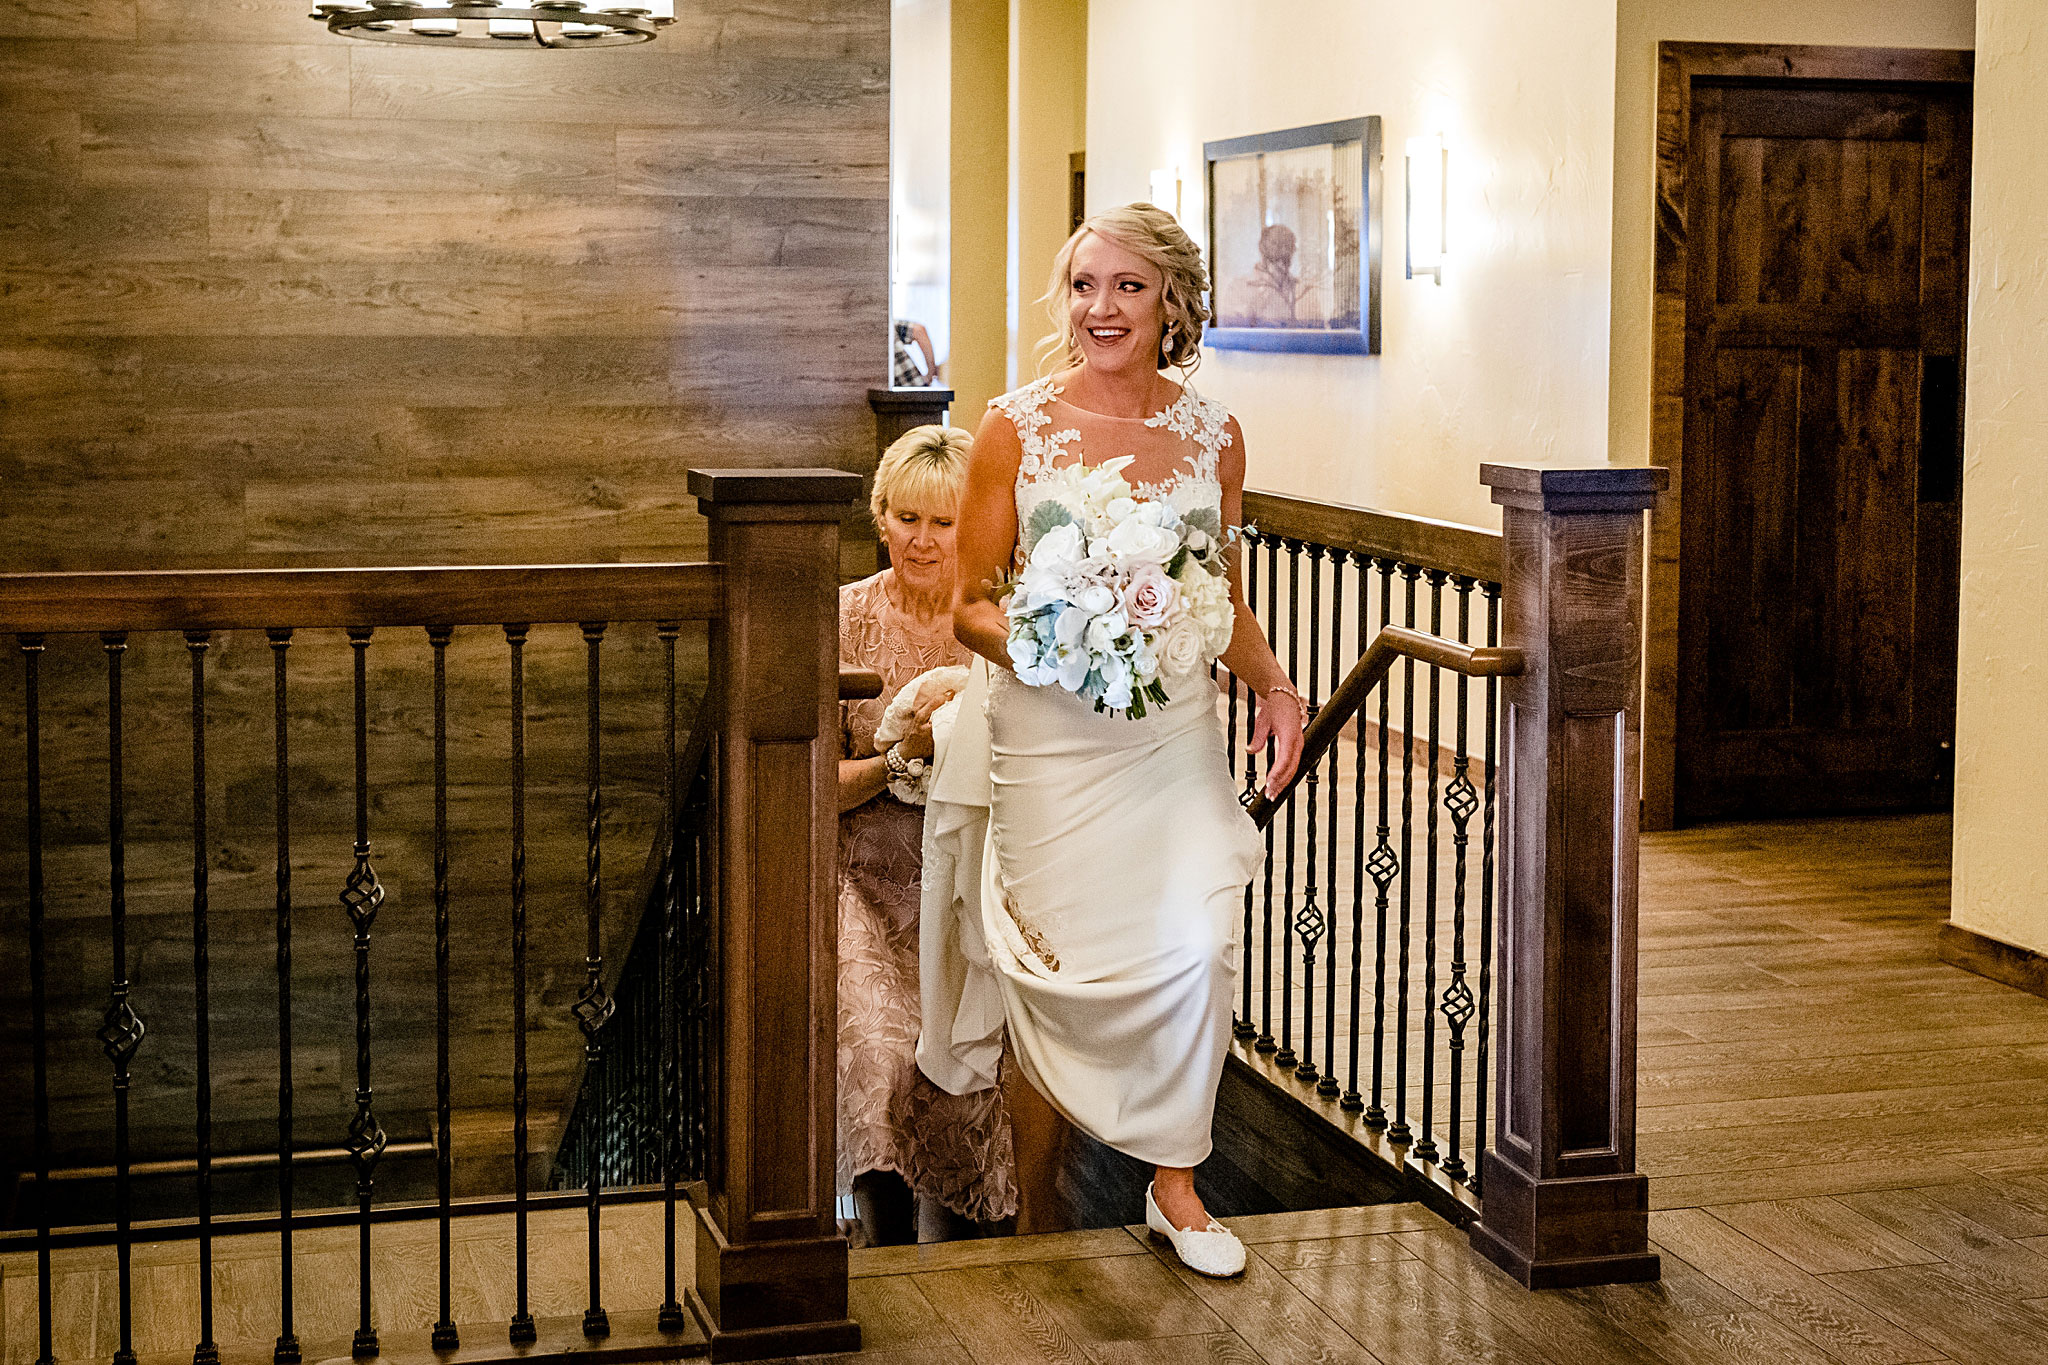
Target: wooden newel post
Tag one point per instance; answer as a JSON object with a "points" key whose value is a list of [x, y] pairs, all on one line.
{"points": [[1563, 1202], [771, 1264]]}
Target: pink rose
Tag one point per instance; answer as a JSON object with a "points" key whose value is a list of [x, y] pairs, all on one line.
{"points": [[1149, 596]]}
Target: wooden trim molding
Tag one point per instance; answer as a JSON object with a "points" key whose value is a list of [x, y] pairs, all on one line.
{"points": [[1679, 67], [2006, 963]]}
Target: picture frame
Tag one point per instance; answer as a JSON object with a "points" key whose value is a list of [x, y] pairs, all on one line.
{"points": [[1294, 221]]}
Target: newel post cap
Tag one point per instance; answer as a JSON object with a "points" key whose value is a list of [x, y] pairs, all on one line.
{"points": [[910, 398], [1565, 485], [834, 488]]}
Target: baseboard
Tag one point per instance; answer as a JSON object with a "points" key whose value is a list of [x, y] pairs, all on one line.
{"points": [[2006, 963]]}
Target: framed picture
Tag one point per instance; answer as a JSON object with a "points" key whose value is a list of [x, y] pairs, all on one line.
{"points": [[1294, 239]]}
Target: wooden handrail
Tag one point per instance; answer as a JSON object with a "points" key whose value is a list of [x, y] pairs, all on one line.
{"points": [[859, 684], [1469, 551], [1392, 643], [257, 599]]}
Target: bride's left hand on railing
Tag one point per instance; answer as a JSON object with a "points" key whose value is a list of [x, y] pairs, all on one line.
{"points": [[1281, 716]]}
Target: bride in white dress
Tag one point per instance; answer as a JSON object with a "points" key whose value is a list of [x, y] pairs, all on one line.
{"points": [[1101, 919]]}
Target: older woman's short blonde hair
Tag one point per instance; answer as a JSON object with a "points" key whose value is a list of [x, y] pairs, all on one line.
{"points": [[1153, 234], [925, 466]]}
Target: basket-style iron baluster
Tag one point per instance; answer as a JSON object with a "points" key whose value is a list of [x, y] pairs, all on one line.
{"points": [[521, 1332], [39, 1023], [1327, 1086], [446, 1336], [1383, 866], [1398, 1131], [121, 1029], [593, 1005], [1285, 1057], [362, 897], [206, 1352], [1425, 1142], [286, 1351], [1482, 1078], [1309, 923], [1461, 801]]}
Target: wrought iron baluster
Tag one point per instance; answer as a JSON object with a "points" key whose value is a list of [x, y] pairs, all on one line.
{"points": [[1461, 801], [206, 1352], [446, 1336], [1425, 1144], [1265, 1041], [671, 1317], [593, 1005], [362, 897], [1482, 1078], [1383, 866], [1285, 1057], [1245, 1030], [1353, 1101], [286, 1352], [1327, 1086], [39, 1023], [1399, 1131], [521, 1331], [121, 1029], [1309, 923]]}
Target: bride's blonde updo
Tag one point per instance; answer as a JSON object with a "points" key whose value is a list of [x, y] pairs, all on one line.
{"points": [[1152, 234]]}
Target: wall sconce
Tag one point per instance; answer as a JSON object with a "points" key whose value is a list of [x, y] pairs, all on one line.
{"points": [[1428, 164]]}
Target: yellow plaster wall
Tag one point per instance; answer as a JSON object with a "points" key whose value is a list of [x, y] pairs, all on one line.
{"points": [[977, 360]]}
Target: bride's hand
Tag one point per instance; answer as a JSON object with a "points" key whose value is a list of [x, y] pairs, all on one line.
{"points": [[1279, 718]]}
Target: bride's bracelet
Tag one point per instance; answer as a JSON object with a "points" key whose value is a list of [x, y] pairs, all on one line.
{"points": [[1286, 689]]}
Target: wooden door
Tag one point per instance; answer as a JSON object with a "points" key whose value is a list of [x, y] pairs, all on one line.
{"points": [[1819, 544]]}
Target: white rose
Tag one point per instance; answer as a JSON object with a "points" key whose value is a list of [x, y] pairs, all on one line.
{"points": [[1063, 544], [1181, 649], [1095, 598], [1120, 509], [1135, 542]]}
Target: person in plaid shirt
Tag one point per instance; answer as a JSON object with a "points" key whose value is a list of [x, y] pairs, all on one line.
{"points": [[907, 373]]}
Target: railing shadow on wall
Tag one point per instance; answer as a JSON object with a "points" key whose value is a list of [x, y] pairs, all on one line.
{"points": [[739, 1140], [1543, 662]]}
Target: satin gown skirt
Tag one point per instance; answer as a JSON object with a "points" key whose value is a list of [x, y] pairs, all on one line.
{"points": [[1112, 907]]}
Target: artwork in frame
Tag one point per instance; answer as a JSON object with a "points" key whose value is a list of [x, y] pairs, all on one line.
{"points": [[1294, 239]]}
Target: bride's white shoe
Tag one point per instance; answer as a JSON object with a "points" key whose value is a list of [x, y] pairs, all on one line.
{"points": [[1215, 1252]]}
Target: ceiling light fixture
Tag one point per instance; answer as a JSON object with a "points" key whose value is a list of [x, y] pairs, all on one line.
{"points": [[486, 23]]}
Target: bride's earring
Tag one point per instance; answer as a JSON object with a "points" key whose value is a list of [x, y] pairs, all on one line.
{"points": [[1166, 343]]}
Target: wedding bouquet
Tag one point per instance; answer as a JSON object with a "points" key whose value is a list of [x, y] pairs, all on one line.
{"points": [[1118, 594]]}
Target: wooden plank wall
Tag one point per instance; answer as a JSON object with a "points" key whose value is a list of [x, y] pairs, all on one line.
{"points": [[269, 296], [272, 297]]}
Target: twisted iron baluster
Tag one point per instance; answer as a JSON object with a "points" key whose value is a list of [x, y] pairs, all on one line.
{"points": [[1265, 1041], [1482, 1079], [1309, 923], [31, 664], [1327, 1086], [1398, 1131], [286, 1352], [1425, 1145], [1353, 1101], [1245, 1030], [1285, 1056], [362, 897], [205, 1353], [446, 1336], [671, 1317], [1461, 800], [1383, 866], [521, 1331], [121, 1029], [593, 1005]]}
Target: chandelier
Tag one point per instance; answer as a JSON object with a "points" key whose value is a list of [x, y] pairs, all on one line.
{"points": [[486, 23]]}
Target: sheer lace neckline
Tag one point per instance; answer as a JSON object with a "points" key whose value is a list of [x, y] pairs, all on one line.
{"points": [[1058, 391], [1198, 421]]}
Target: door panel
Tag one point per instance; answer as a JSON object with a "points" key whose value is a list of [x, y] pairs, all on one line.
{"points": [[1818, 531]]}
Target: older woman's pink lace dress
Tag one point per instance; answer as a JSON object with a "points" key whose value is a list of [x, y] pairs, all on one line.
{"points": [[953, 1148]]}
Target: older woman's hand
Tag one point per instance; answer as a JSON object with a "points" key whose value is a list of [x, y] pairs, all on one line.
{"points": [[918, 743]]}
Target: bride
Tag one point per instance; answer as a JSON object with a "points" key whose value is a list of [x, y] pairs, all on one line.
{"points": [[1110, 887]]}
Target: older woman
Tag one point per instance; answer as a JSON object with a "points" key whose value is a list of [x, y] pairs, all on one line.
{"points": [[899, 1135]]}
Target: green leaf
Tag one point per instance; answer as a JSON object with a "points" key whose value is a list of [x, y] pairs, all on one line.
{"points": [[1180, 558], [1044, 517]]}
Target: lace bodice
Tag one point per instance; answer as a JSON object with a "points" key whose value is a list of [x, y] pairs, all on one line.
{"points": [[1190, 433]]}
